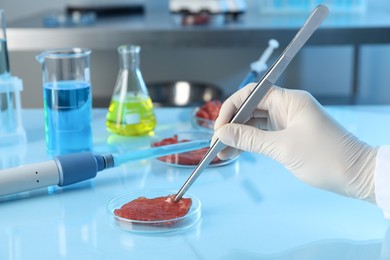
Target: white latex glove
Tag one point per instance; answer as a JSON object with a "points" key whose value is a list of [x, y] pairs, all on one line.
{"points": [[300, 134]]}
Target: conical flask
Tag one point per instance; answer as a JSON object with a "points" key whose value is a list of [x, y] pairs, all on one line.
{"points": [[131, 110]]}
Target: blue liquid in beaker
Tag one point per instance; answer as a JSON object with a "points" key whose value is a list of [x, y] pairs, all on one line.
{"points": [[68, 112]]}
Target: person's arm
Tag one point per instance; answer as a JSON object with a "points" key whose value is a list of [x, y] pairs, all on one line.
{"points": [[291, 127], [382, 179]]}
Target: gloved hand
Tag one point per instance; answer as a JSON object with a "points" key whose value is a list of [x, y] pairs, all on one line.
{"points": [[291, 127]]}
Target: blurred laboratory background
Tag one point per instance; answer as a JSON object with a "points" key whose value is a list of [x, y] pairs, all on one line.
{"points": [[347, 61]]}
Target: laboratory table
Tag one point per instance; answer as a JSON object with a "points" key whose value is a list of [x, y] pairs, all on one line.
{"points": [[252, 208]]}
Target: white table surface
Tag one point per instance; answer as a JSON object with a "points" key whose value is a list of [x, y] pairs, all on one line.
{"points": [[251, 209]]}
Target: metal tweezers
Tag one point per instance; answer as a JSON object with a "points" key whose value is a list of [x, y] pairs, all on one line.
{"points": [[261, 89]]}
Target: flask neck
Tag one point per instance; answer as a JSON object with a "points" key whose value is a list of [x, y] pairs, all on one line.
{"points": [[129, 57]]}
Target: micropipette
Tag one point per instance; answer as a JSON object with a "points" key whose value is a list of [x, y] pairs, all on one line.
{"points": [[260, 90], [72, 168], [259, 65]]}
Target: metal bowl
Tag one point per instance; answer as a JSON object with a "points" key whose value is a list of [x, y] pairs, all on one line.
{"points": [[182, 93]]}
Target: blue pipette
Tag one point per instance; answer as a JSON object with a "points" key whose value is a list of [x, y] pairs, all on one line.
{"points": [[260, 65], [72, 168]]}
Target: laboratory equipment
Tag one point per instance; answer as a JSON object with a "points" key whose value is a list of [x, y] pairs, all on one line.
{"points": [[131, 109], [189, 220], [193, 12], [261, 89], [260, 65], [106, 7], [231, 7], [11, 129], [4, 62], [76, 19], [12, 155], [73, 168], [183, 93], [67, 98], [187, 159]]}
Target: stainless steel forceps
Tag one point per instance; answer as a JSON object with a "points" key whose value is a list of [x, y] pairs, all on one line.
{"points": [[261, 89]]}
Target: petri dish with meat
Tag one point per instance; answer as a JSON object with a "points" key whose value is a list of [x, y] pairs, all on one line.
{"points": [[154, 211], [188, 159], [205, 115]]}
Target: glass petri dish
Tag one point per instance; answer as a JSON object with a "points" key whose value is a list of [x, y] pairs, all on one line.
{"points": [[158, 226], [189, 159], [200, 122]]}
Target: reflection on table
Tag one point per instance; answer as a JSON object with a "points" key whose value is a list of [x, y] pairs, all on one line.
{"points": [[252, 208]]}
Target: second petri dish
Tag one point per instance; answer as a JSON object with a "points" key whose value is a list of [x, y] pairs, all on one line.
{"points": [[205, 115], [200, 122], [188, 159]]}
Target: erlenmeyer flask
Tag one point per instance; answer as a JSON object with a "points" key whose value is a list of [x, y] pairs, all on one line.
{"points": [[131, 109]]}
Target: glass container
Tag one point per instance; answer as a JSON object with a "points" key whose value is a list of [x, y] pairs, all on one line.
{"points": [[187, 159], [131, 109], [179, 224], [11, 130], [67, 99]]}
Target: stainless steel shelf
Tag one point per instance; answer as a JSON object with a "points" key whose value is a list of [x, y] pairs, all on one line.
{"points": [[157, 30]]}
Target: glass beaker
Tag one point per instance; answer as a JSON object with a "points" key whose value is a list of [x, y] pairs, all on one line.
{"points": [[131, 109], [67, 100]]}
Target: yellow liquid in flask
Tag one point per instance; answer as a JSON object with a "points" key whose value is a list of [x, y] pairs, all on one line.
{"points": [[132, 116]]}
